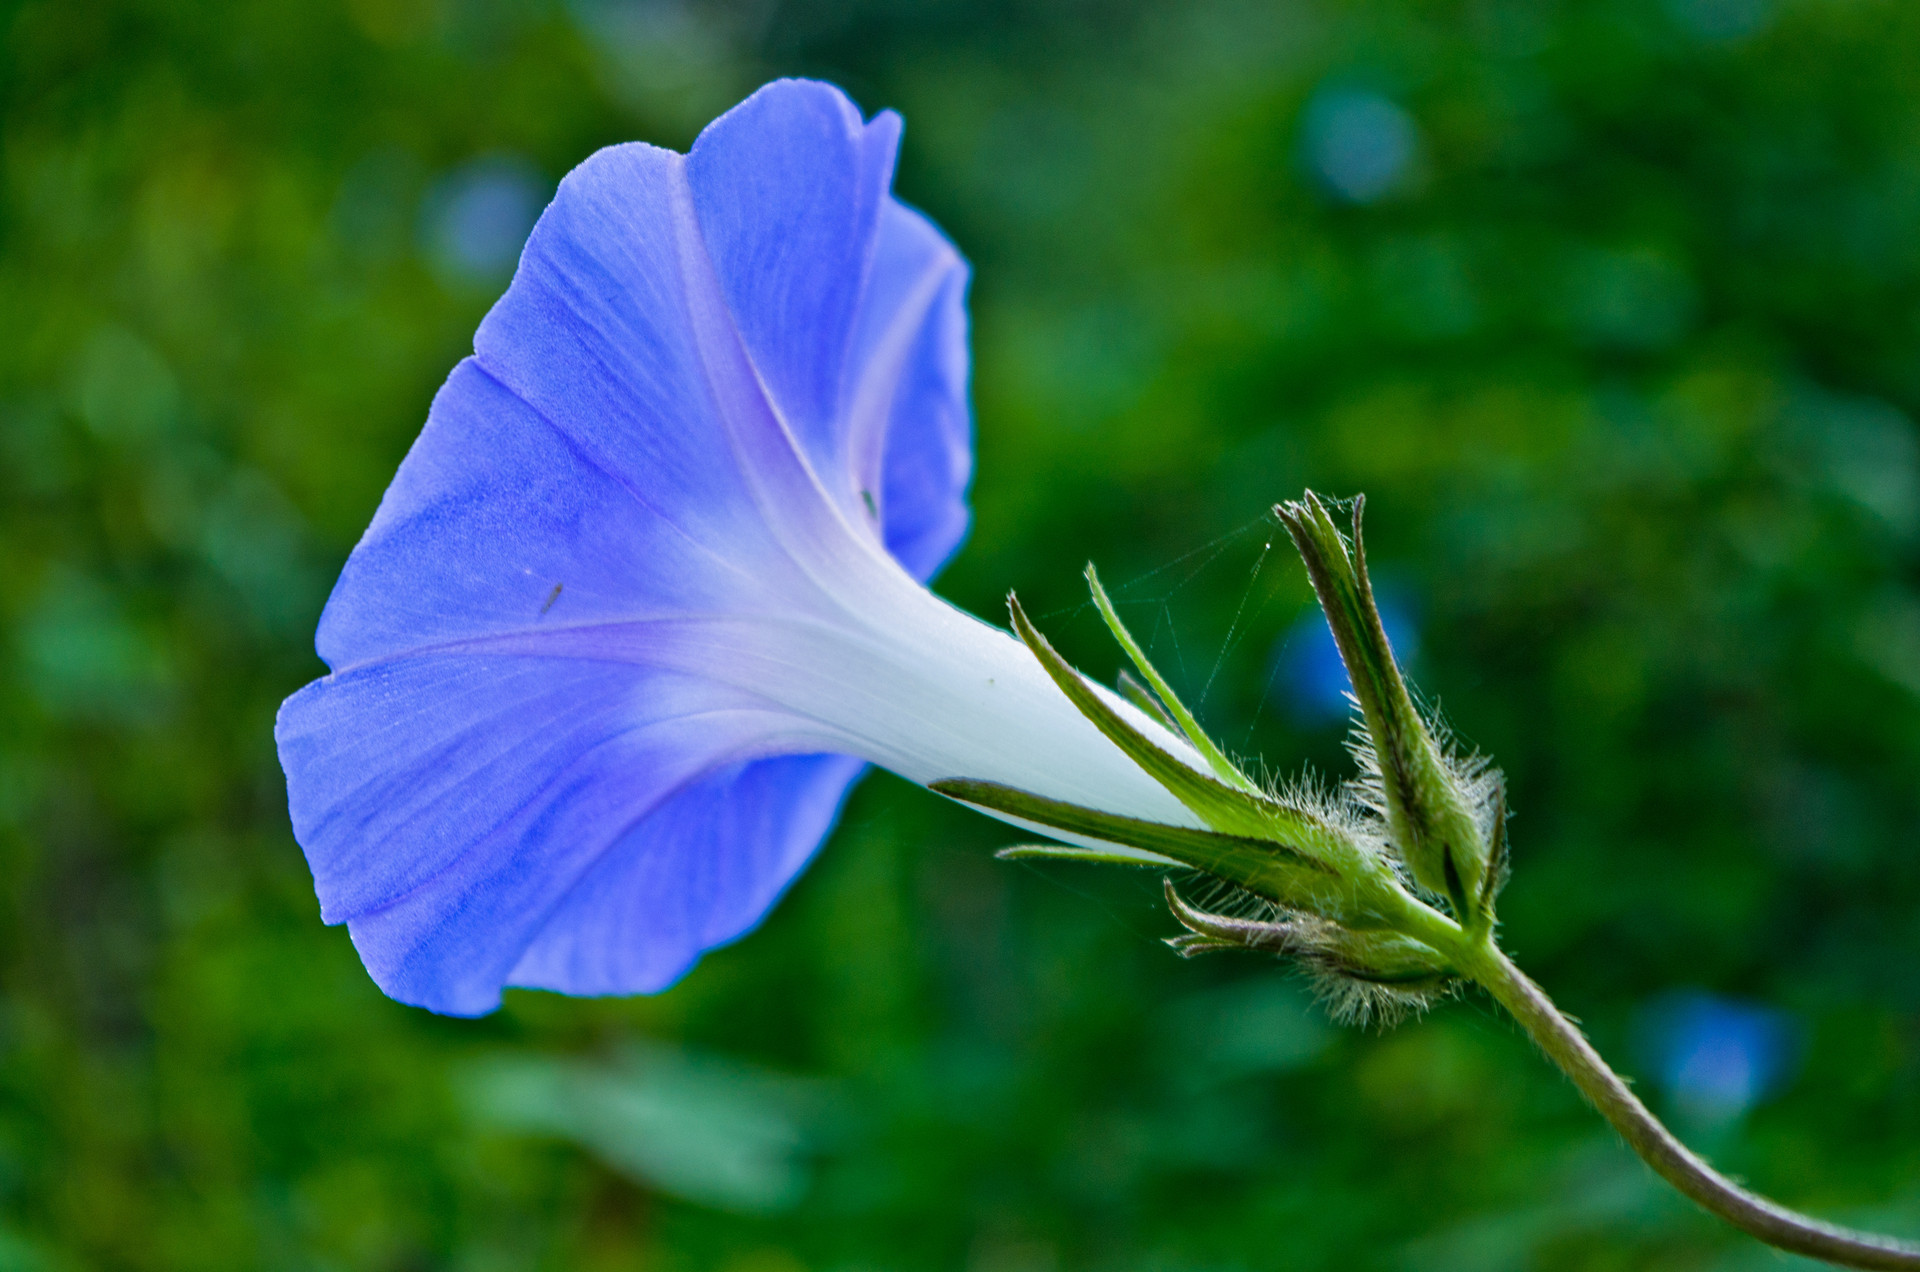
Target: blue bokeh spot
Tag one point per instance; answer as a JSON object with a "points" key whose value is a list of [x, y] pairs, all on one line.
{"points": [[477, 217], [1717, 1057], [1307, 673], [1360, 145]]}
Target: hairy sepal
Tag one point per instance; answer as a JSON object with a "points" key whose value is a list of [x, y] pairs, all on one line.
{"points": [[1361, 974], [1429, 808], [1269, 870], [1225, 769], [1142, 697], [1138, 857], [1228, 810]]}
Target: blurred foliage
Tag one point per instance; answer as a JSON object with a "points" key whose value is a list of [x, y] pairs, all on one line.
{"points": [[1611, 307]]}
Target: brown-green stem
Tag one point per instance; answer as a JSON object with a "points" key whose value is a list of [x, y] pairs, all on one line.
{"points": [[1568, 1048]]}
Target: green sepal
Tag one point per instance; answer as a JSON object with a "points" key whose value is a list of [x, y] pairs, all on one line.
{"points": [[1373, 957], [1260, 866], [1086, 856], [1224, 808], [1209, 932], [1432, 822], [1225, 769], [1142, 697], [1498, 867]]}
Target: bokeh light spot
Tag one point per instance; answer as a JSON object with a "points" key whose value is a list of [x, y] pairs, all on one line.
{"points": [[477, 217], [1308, 675], [1715, 1057], [1359, 144]]}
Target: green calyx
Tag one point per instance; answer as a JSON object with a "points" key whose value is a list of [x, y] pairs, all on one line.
{"points": [[1443, 813], [1261, 866], [1369, 970], [1290, 830], [1171, 708], [1385, 891]]}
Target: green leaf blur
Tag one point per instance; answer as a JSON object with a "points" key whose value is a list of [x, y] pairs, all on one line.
{"points": [[1617, 325]]}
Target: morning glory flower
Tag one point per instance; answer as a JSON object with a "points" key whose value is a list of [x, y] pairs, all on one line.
{"points": [[648, 592]]}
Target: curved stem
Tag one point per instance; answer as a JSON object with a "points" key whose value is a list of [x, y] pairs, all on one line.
{"points": [[1774, 1224]]}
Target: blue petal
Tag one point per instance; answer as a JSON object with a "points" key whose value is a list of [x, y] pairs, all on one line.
{"points": [[515, 783], [499, 522], [912, 349], [850, 306], [700, 872], [599, 337], [691, 351], [788, 188], [397, 769], [603, 836]]}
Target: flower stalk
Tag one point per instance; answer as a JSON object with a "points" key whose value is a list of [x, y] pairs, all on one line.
{"points": [[1563, 1043], [1384, 894]]}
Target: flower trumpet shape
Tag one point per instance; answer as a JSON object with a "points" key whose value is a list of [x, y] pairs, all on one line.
{"points": [[648, 590]]}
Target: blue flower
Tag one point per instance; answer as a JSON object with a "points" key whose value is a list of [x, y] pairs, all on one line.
{"points": [[648, 590]]}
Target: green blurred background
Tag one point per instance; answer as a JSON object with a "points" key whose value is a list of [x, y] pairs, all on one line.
{"points": [[1612, 309]]}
